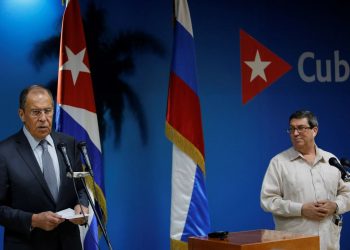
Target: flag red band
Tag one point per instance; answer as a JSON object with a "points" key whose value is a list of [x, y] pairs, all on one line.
{"points": [[183, 112]]}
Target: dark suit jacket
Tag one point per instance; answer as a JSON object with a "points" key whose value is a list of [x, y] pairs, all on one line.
{"points": [[23, 191]]}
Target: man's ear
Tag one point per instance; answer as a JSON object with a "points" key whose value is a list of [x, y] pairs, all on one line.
{"points": [[21, 115], [315, 131]]}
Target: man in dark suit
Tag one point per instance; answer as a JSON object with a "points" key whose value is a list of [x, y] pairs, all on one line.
{"points": [[28, 205]]}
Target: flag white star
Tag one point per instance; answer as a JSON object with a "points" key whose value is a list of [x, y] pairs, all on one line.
{"points": [[75, 63], [258, 67]]}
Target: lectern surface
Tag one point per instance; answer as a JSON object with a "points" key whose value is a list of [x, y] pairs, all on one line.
{"points": [[257, 240]]}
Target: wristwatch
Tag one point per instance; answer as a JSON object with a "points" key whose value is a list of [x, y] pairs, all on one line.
{"points": [[336, 209]]}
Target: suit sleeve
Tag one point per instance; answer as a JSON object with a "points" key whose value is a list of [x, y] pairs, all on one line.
{"points": [[13, 219]]}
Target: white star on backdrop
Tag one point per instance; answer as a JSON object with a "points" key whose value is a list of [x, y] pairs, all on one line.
{"points": [[258, 67], [75, 63]]}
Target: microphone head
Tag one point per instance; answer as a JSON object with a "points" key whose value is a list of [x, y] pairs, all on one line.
{"points": [[61, 145], [333, 161], [345, 162], [63, 149], [83, 150], [81, 144]]}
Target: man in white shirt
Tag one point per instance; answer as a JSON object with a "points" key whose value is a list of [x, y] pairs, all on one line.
{"points": [[302, 191]]}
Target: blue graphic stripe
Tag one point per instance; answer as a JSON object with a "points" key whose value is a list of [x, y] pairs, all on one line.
{"points": [[197, 221], [184, 62]]}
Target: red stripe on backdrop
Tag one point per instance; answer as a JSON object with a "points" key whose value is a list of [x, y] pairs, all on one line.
{"points": [[183, 112]]}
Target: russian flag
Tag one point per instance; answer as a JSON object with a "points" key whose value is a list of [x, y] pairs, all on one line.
{"points": [[76, 111], [189, 204]]}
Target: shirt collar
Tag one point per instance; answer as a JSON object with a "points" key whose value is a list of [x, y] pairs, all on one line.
{"points": [[34, 142], [294, 154]]}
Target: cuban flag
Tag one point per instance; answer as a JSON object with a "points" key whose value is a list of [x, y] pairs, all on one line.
{"points": [[189, 204], [76, 111]]}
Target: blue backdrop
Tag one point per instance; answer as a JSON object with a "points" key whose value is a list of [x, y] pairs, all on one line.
{"points": [[239, 139]]}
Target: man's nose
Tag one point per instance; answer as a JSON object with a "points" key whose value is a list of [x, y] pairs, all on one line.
{"points": [[42, 116], [296, 132]]}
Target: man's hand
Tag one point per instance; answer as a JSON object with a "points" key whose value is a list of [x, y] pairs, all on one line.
{"points": [[318, 210], [330, 206], [46, 220], [80, 209]]}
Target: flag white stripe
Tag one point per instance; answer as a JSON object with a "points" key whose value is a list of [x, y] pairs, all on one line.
{"points": [[84, 229], [183, 15], [183, 175], [86, 119]]}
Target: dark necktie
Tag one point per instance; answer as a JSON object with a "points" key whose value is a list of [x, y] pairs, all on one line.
{"points": [[48, 170]]}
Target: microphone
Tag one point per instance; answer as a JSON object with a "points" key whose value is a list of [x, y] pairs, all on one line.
{"points": [[83, 150], [345, 162], [344, 174], [63, 149]]}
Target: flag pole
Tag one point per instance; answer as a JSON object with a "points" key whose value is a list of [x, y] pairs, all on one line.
{"points": [[75, 93]]}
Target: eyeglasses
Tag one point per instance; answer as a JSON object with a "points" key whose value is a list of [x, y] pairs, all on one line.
{"points": [[301, 129], [38, 112]]}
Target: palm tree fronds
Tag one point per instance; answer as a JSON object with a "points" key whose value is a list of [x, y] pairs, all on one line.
{"points": [[109, 61], [45, 50], [128, 42]]}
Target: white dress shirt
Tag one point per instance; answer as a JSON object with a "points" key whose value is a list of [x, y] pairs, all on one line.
{"points": [[37, 149], [291, 181]]}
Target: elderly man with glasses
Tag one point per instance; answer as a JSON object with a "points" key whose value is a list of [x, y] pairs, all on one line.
{"points": [[33, 181], [302, 191]]}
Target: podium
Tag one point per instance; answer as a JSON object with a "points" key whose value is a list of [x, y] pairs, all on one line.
{"points": [[256, 240]]}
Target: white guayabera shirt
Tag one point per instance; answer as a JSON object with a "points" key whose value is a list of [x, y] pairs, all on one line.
{"points": [[291, 181]]}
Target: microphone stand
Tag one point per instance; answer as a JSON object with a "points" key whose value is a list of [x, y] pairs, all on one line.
{"points": [[346, 163], [84, 153], [95, 212], [81, 176], [346, 177]]}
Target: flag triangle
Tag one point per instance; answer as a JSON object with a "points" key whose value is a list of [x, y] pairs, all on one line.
{"points": [[260, 67]]}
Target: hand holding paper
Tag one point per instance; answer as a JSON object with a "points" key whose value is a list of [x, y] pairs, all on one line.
{"points": [[70, 214]]}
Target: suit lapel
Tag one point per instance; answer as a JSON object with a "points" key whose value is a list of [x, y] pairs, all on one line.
{"points": [[26, 152]]}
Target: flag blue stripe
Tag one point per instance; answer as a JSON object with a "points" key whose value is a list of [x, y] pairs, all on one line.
{"points": [[65, 123], [184, 62], [70, 126], [91, 238], [198, 220]]}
